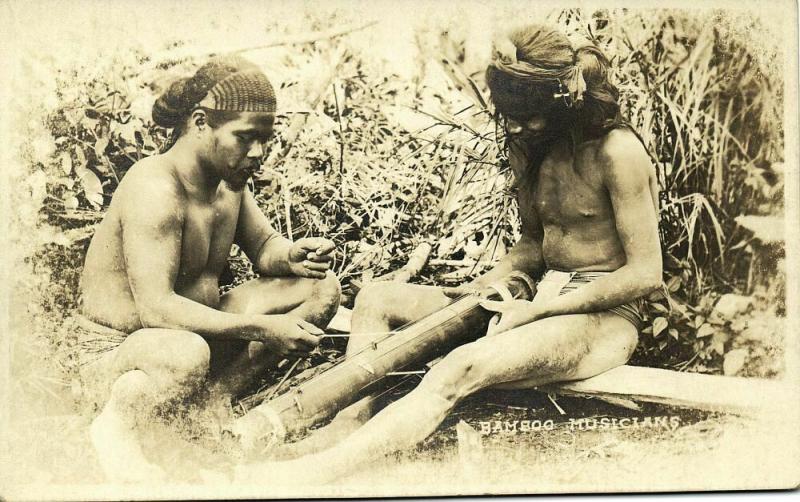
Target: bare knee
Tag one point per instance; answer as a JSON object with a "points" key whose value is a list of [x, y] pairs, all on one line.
{"points": [[456, 376], [374, 301], [325, 297], [328, 291], [181, 355]]}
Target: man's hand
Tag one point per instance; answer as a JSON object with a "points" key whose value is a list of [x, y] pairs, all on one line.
{"points": [[288, 336], [461, 290], [510, 314], [311, 257]]}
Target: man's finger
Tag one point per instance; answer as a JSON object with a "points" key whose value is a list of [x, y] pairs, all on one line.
{"points": [[316, 266], [310, 327], [313, 274], [310, 341], [452, 292], [494, 306], [325, 247], [307, 243], [314, 256]]}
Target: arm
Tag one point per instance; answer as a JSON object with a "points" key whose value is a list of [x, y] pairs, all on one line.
{"points": [[626, 172], [275, 255], [266, 248], [526, 255], [151, 216]]}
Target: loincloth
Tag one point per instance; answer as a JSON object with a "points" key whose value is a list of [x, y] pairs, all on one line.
{"points": [[94, 340], [556, 283]]}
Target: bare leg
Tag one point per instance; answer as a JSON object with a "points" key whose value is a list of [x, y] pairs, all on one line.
{"points": [[151, 367], [313, 300], [380, 307], [555, 349], [383, 306]]}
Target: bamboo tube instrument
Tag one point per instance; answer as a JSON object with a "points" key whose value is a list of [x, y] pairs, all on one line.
{"points": [[409, 347]]}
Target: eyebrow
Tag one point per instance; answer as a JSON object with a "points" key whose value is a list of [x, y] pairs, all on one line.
{"points": [[261, 134]]}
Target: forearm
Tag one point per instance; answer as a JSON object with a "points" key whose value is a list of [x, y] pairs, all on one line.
{"points": [[621, 286], [177, 312], [525, 256], [273, 258]]}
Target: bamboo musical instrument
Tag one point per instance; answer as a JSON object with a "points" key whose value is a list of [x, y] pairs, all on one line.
{"points": [[406, 348]]}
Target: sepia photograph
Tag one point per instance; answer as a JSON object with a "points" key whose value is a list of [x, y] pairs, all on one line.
{"points": [[273, 249]]}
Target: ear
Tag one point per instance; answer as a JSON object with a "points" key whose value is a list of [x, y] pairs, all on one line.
{"points": [[199, 118]]}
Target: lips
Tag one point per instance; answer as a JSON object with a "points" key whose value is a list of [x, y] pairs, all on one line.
{"points": [[251, 170]]}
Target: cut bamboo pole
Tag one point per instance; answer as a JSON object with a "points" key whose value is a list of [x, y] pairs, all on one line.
{"points": [[361, 374]]}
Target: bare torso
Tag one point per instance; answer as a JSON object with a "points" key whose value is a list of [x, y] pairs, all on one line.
{"points": [[574, 209], [207, 234]]}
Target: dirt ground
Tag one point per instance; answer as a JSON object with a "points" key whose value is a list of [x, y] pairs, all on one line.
{"points": [[521, 442], [511, 442]]}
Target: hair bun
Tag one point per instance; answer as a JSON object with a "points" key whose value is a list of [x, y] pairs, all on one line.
{"points": [[172, 106]]}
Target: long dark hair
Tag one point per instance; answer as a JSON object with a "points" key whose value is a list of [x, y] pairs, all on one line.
{"points": [[536, 70]]}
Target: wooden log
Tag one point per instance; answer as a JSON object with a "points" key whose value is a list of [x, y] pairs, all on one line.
{"points": [[685, 390], [361, 374], [416, 261]]}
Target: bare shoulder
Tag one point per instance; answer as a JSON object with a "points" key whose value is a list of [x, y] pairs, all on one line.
{"points": [[151, 182], [623, 157]]}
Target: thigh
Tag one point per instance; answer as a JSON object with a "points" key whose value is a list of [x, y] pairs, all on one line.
{"points": [[268, 295], [590, 344], [398, 303], [569, 347], [161, 353]]}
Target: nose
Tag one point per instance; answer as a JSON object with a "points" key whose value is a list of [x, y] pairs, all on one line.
{"points": [[536, 124], [514, 127], [256, 150]]}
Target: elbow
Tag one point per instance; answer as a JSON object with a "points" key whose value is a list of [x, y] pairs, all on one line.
{"points": [[650, 279], [151, 316]]}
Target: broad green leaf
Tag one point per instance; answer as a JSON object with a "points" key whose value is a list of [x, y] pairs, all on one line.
{"points": [[92, 188], [705, 330], [659, 325], [674, 284], [100, 147], [660, 308], [734, 361]]}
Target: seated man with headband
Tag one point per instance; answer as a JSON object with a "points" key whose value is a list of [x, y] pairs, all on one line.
{"points": [[154, 328], [587, 198]]}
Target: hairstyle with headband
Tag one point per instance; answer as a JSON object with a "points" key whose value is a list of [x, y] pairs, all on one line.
{"points": [[535, 69], [222, 87]]}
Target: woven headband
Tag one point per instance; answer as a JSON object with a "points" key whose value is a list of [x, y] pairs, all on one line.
{"points": [[570, 81], [245, 91]]}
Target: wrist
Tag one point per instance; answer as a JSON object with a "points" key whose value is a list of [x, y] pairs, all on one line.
{"points": [[278, 260], [257, 326]]}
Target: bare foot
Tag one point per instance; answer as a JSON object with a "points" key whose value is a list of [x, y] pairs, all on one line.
{"points": [[119, 452], [319, 439], [343, 424]]}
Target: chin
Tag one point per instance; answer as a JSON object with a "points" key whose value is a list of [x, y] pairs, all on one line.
{"points": [[236, 185]]}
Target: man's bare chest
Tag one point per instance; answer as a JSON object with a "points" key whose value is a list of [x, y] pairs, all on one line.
{"points": [[564, 196], [208, 233]]}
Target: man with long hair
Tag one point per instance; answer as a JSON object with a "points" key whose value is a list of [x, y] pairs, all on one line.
{"points": [[153, 327], [587, 198]]}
